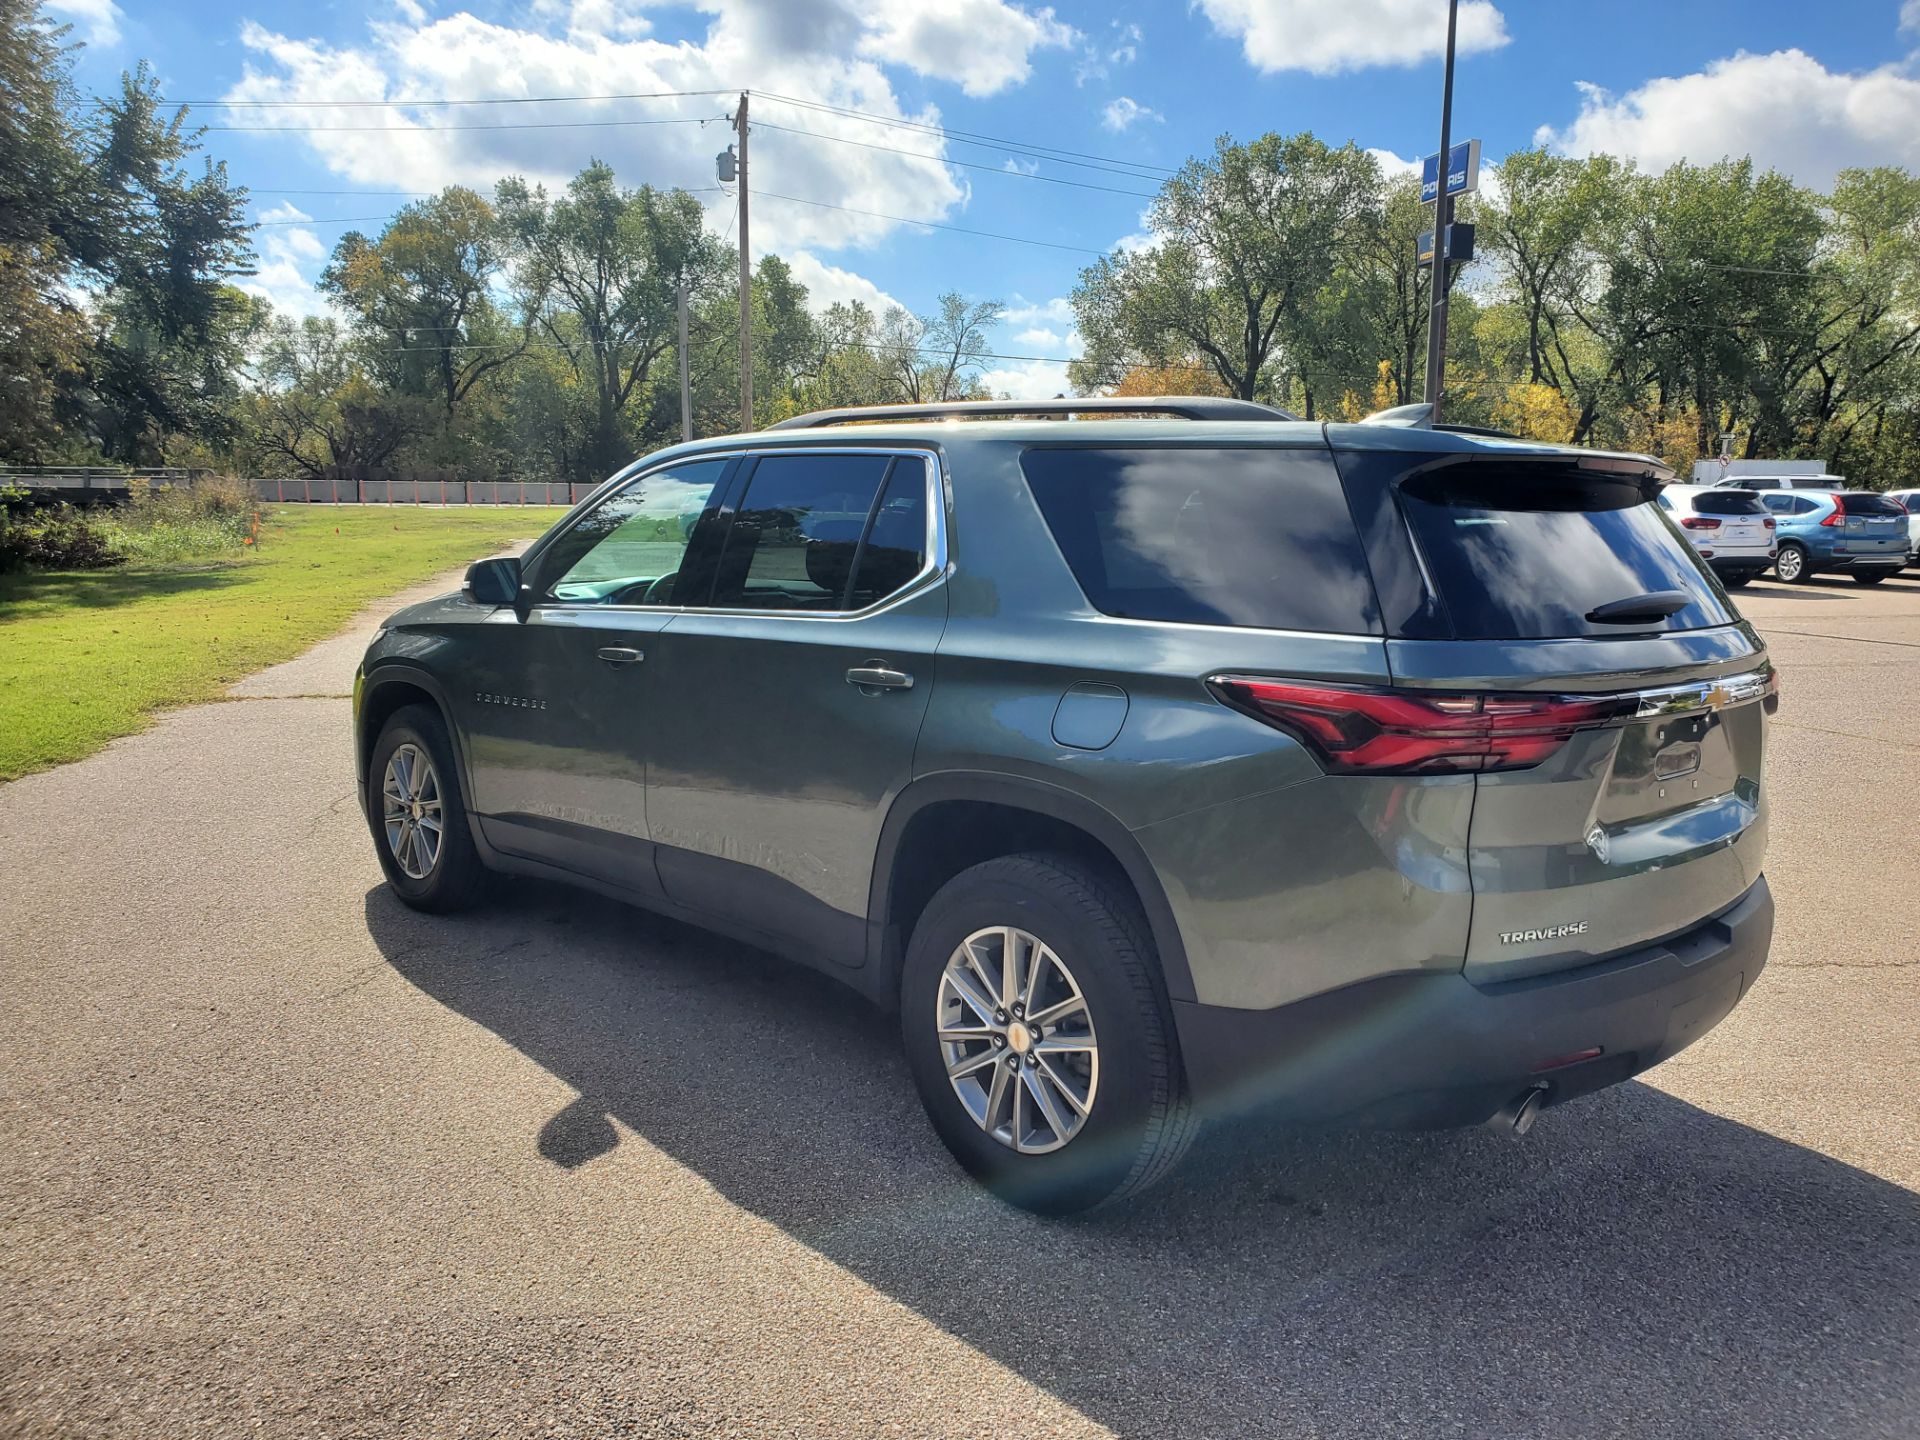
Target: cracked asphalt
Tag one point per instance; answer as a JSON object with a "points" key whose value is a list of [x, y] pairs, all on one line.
{"points": [[278, 1157]]}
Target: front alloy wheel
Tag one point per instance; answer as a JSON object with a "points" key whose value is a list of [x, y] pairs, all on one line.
{"points": [[1017, 1040], [411, 811]]}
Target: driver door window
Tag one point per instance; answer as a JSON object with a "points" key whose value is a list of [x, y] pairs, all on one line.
{"points": [[629, 550]]}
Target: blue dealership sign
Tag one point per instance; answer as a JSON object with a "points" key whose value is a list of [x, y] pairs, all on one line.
{"points": [[1463, 171]]}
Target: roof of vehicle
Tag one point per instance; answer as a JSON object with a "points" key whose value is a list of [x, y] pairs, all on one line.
{"points": [[1283, 434]]}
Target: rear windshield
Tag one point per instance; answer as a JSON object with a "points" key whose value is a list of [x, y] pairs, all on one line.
{"points": [[1527, 556], [1250, 537], [1728, 502], [1865, 502]]}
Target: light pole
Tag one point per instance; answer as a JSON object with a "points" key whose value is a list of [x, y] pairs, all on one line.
{"points": [[1442, 222]]}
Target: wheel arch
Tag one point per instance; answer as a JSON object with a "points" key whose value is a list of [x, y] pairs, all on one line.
{"points": [[390, 688], [943, 824]]}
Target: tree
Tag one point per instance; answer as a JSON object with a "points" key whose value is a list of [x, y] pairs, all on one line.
{"points": [[600, 267], [1245, 241], [320, 407], [423, 292]]}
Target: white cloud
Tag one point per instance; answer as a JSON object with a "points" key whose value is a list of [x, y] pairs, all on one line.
{"points": [[1122, 47], [1037, 335], [1392, 164], [1326, 37], [1027, 380], [776, 44], [100, 19], [1785, 109], [981, 45], [1125, 112], [827, 284], [283, 213], [1015, 165], [288, 264], [1021, 311], [1910, 15]]}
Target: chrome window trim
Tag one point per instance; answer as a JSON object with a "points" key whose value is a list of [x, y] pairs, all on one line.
{"points": [[934, 568]]}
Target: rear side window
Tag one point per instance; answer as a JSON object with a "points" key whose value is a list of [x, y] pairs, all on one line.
{"points": [[800, 536], [1865, 502], [1728, 502], [1243, 537], [1526, 555]]}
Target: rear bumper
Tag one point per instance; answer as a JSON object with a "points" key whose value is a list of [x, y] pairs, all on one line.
{"points": [[1889, 560], [1430, 1051]]}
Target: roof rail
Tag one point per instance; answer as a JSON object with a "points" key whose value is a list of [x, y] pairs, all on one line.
{"points": [[1185, 407]]}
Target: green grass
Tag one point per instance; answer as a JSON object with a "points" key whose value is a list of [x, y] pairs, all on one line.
{"points": [[87, 656]]}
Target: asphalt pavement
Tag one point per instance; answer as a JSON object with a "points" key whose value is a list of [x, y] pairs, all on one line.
{"points": [[279, 1157]]}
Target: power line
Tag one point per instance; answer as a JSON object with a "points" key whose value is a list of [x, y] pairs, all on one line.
{"points": [[425, 101], [1033, 149], [415, 129], [972, 137], [931, 225], [943, 160]]}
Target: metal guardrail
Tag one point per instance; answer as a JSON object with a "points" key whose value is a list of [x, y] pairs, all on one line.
{"points": [[303, 491], [84, 483]]}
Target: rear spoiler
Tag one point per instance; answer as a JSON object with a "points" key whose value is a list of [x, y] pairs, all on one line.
{"points": [[1420, 417]]}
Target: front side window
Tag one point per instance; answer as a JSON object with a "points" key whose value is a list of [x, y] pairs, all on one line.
{"points": [[827, 532], [628, 550]]}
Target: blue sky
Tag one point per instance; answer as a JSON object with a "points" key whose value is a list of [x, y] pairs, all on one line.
{"points": [[1806, 88]]}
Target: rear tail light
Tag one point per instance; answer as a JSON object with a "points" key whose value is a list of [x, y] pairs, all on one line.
{"points": [[1839, 512], [1770, 522], [1700, 522], [1395, 732]]}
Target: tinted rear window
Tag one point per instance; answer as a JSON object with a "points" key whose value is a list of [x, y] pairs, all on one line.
{"points": [[1249, 537], [1728, 502], [1523, 557], [1863, 502]]}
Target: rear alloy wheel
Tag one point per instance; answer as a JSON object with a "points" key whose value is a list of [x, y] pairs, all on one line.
{"points": [[1791, 565], [1039, 1034], [1870, 577]]}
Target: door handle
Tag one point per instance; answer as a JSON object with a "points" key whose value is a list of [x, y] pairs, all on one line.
{"points": [[878, 675], [620, 655]]}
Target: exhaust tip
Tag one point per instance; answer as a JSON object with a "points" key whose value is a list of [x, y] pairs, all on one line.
{"points": [[1516, 1117]]}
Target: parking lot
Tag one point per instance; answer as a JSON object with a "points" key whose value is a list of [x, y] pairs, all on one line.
{"points": [[280, 1157]]}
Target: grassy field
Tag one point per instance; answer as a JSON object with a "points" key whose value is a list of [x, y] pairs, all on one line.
{"points": [[86, 657]]}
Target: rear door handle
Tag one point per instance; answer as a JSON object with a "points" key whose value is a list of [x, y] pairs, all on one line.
{"points": [[877, 675], [620, 655]]}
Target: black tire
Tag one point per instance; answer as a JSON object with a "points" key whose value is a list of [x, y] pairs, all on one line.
{"points": [[1141, 1121], [1870, 577], [1791, 565], [456, 877]]}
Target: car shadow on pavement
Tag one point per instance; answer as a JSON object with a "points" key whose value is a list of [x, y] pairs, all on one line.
{"points": [[1636, 1263]]}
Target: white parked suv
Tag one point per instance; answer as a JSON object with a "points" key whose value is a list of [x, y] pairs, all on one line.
{"points": [[1730, 529], [1910, 499]]}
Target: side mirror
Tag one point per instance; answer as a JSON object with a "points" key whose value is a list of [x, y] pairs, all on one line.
{"points": [[493, 582]]}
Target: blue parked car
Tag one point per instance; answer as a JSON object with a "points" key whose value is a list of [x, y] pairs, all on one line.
{"points": [[1852, 530]]}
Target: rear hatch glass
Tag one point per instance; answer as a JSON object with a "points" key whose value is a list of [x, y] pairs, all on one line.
{"points": [[1526, 553], [1728, 502], [1865, 502]]}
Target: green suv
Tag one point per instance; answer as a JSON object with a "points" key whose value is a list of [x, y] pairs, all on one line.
{"points": [[1150, 758]]}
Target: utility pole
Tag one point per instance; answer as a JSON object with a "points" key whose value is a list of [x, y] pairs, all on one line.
{"points": [[686, 386], [746, 278], [1442, 222]]}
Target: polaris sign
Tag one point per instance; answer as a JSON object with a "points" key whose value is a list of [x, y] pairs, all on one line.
{"points": [[1463, 171]]}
